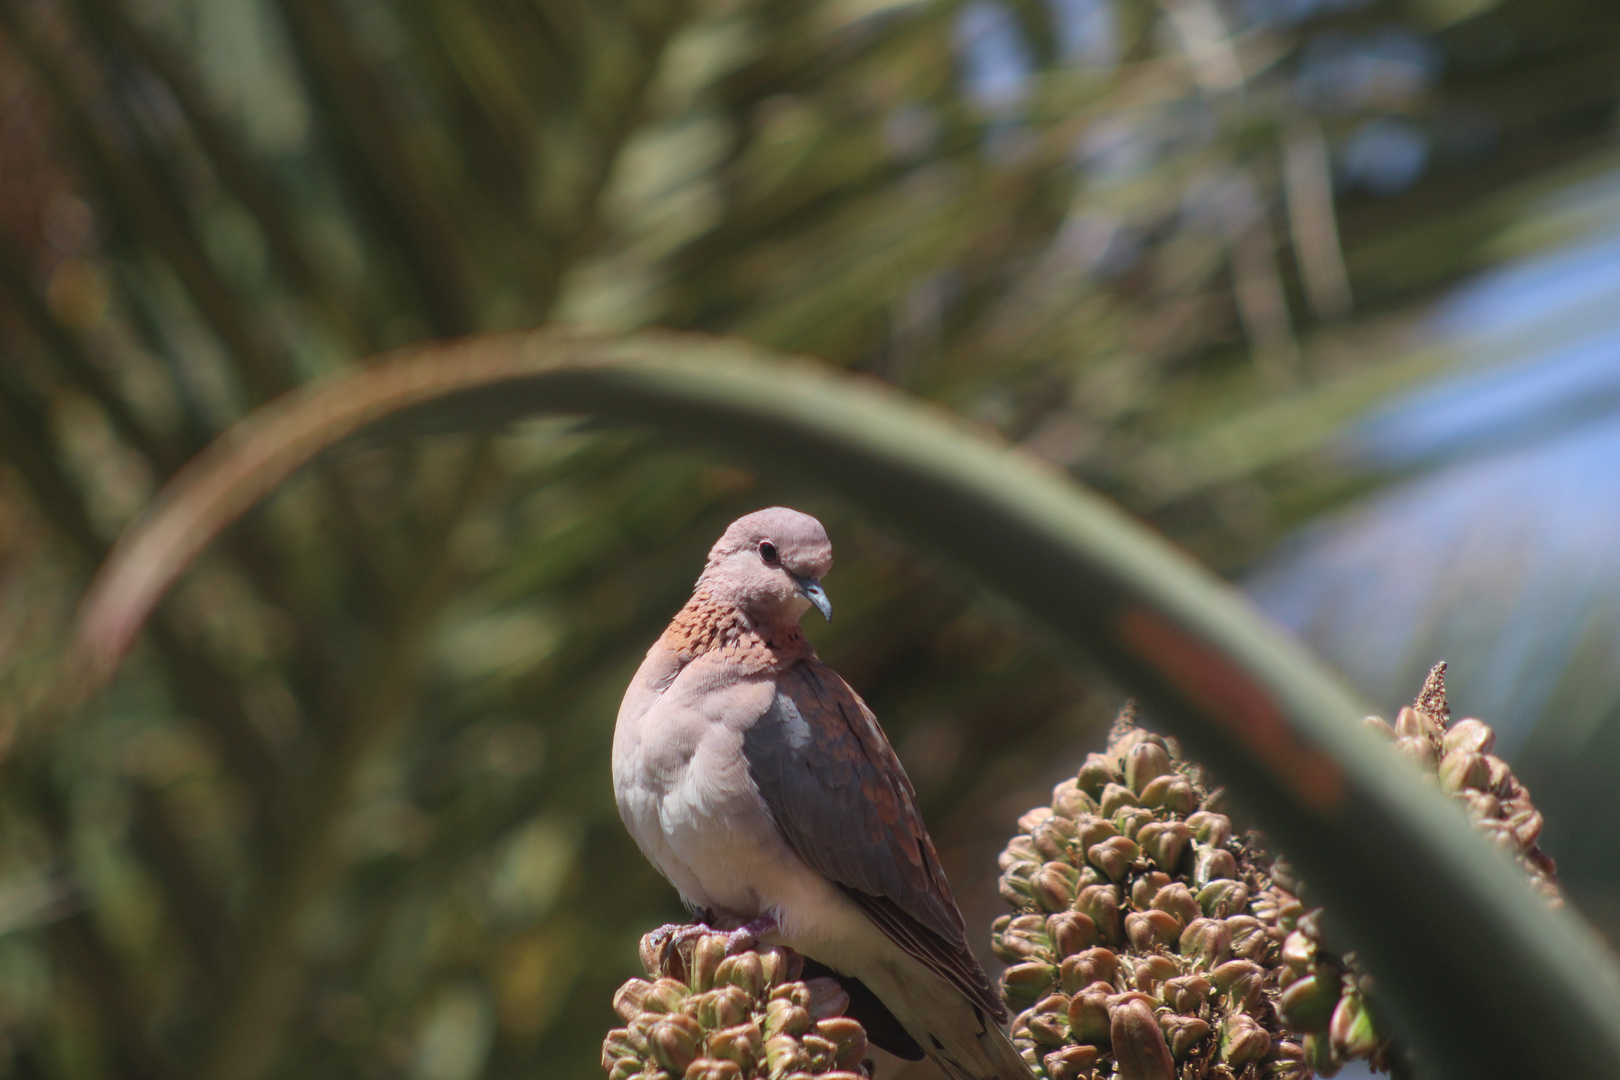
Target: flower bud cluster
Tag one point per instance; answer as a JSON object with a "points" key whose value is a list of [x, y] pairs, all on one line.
{"points": [[705, 1015], [1149, 941], [1324, 996], [1133, 951]]}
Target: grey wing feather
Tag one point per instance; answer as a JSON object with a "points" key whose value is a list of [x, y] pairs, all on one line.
{"points": [[843, 801]]}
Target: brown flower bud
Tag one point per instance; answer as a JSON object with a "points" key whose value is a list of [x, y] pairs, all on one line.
{"points": [[1177, 899], [1070, 801], [1464, 769], [1071, 932], [1165, 842], [1351, 1028], [1182, 1033], [1186, 993], [1071, 1062], [1470, 735], [675, 1040], [744, 971], [1054, 837], [1144, 763], [1138, 1043], [1174, 793], [849, 1038], [741, 1043], [1032, 819], [628, 1000], [1113, 857], [1100, 904], [1115, 796], [1088, 1014], [1147, 930], [1211, 828], [1092, 966]]}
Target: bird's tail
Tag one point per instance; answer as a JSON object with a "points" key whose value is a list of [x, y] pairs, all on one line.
{"points": [[958, 1035]]}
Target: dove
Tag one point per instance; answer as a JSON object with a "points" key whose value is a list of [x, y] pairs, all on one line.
{"points": [[761, 786]]}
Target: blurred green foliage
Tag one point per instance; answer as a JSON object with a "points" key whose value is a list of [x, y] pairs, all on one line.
{"points": [[348, 811]]}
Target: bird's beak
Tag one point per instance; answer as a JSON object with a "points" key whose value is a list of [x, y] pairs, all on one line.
{"points": [[813, 592]]}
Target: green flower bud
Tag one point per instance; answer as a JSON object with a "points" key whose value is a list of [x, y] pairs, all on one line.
{"points": [[1024, 984], [1298, 950], [1420, 750], [1047, 1030], [1096, 774], [1138, 1043], [1032, 819], [783, 1017], [1130, 819], [1351, 1029], [1210, 863], [1020, 849], [1015, 885], [1070, 801], [665, 995], [1250, 940], [714, 1069], [1307, 1004], [1174, 793], [1223, 897], [783, 1055], [1024, 938], [820, 1051], [1243, 1040], [1146, 887], [1207, 942], [1241, 981], [848, 1037], [1054, 885], [1054, 837]]}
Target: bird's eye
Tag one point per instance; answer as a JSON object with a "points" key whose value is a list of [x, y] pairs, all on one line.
{"points": [[767, 551]]}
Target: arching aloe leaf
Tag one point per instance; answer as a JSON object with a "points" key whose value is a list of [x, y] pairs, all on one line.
{"points": [[1484, 979]]}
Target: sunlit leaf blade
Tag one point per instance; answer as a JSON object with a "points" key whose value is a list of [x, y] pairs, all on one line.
{"points": [[1268, 719]]}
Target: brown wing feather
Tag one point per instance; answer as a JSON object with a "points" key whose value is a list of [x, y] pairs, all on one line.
{"points": [[843, 801]]}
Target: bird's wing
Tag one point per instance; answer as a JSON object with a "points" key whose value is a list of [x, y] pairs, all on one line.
{"points": [[842, 800]]}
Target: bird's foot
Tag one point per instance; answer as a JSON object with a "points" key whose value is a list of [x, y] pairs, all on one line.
{"points": [[748, 934], [666, 941]]}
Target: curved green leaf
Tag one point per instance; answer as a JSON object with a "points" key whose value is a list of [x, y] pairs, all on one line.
{"points": [[1485, 980]]}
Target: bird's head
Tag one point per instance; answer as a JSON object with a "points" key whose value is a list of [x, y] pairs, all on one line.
{"points": [[770, 565]]}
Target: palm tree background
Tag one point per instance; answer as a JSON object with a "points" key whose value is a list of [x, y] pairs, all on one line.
{"points": [[346, 812]]}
